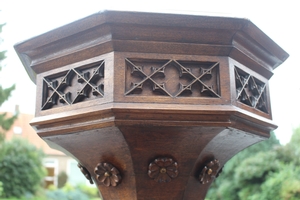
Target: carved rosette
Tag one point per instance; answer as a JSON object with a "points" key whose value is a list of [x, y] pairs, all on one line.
{"points": [[107, 174], [163, 169], [85, 172], [209, 171]]}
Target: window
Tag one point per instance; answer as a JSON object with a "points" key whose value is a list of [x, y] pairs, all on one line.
{"points": [[51, 166], [75, 176], [17, 130]]}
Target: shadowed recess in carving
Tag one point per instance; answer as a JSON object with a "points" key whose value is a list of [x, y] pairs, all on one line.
{"points": [[250, 90], [172, 78], [73, 86]]}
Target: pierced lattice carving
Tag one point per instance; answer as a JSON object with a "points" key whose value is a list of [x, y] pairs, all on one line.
{"points": [[172, 78], [73, 86], [250, 90]]}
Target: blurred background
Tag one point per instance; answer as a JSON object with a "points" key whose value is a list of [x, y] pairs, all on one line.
{"points": [[60, 174]]}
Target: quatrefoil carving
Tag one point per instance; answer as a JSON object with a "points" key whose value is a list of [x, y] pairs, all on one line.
{"points": [[73, 86], [250, 90], [172, 78]]}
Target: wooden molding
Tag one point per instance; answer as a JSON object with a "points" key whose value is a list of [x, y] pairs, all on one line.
{"points": [[150, 104]]}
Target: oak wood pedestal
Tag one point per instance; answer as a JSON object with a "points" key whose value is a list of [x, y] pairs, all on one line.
{"points": [[152, 105]]}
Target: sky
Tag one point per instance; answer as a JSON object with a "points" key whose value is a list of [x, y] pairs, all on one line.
{"points": [[278, 19]]}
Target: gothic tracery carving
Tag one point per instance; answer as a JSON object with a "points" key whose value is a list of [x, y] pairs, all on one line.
{"points": [[172, 78], [250, 90], [73, 86]]}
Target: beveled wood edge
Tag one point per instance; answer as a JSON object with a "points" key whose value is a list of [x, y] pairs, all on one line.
{"points": [[273, 54], [35, 67], [157, 19], [112, 114]]}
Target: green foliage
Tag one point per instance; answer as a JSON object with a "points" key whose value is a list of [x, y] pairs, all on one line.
{"points": [[21, 168], [71, 195], [265, 171], [285, 184], [1, 188], [255, 169], [2, 53], [62, 179], [92, 192], [5, 123], [228, 184], [68, 188], [68, 192]]}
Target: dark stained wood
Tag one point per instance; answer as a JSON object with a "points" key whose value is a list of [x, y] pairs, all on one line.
{"points": [[100, 33], [152, 105]]}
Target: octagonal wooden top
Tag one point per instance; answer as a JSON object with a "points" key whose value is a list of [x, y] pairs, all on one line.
{"points": [[110, 31], [133, 89]]}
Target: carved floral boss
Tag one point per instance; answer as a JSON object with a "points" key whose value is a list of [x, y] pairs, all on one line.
{"points": [[209, 171], [163, 169], [107, 174], [172, 78]]}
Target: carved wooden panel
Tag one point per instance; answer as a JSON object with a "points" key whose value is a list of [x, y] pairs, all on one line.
{"points": [[73, 86], [172, 78], [250, 90]]}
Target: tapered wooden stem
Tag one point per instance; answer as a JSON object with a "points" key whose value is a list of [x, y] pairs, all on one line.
{"points": [[152, 105]]}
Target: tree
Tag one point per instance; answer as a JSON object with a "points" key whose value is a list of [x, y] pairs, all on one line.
{"points": [[235, 181], [265, 171], [21, 168], [5, 122]]}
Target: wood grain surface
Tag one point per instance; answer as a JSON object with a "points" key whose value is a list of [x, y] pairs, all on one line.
{"points": [[152, 105]]}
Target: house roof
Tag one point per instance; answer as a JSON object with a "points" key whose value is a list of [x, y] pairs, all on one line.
{"points": [[21, 128]]}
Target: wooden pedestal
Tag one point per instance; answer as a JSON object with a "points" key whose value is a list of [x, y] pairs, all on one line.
{"points": [[152, 105]]}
